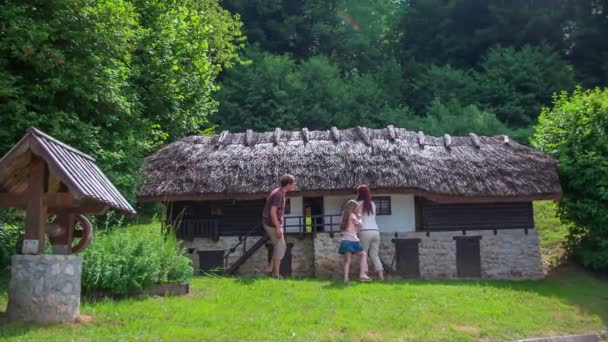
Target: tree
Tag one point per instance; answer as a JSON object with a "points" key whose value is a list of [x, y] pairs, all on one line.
{"points": [[575, 131], [113, 78], [514, 84], [276, 91]]}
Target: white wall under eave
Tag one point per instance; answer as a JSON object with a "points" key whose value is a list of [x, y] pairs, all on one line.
{"points": [[296, 209], [402, 218]]}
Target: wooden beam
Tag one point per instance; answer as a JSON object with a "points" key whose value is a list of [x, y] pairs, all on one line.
{"points": [[8, 199], [35, 218], [305, 135], [248, 137], [49, 199], [421, 139], [222, 137], [475, 139], [447, 140], [66, 221], [391, 132], [277, 136], [335, 134], [363, 135]]}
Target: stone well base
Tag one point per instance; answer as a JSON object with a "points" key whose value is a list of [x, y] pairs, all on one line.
{"points": [[44, 288]]}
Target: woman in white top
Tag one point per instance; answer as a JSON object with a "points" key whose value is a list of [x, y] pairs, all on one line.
{"points": [[369, 233]]}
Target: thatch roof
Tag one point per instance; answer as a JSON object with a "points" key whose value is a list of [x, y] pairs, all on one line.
{"points": [[68, 166], [248, 165]]}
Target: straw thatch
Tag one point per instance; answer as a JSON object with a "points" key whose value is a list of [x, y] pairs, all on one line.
{"points": [[248, 165]]}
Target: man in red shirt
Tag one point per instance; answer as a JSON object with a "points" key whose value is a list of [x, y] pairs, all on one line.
{"points": [[272, 218]]}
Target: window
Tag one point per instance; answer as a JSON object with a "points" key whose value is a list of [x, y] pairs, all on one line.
{"points": [[287, 209], [383, 205], [216, 211]]}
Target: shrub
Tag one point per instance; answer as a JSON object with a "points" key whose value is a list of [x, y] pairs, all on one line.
{"points": [[575, 131], [132, 259]]}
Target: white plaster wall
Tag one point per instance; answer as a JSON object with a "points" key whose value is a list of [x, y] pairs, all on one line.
{"points": [[296, 210], [403, 217]]}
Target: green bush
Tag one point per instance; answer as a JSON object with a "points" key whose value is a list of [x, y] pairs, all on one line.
{"points": [[575, 131], [9, 235], [132, 259]]}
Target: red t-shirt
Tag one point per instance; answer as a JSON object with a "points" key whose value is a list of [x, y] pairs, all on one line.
{"points": [[275, 199]]}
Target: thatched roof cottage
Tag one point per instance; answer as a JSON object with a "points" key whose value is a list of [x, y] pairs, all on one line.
{"points": [[448, 206]]}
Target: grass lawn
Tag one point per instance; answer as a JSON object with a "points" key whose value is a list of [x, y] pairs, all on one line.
{"points": [[231, 309], [237, 309], [551, 231]]}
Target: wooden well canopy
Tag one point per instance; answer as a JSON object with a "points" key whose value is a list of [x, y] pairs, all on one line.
{"points": [[448, 168], [44, 176]]}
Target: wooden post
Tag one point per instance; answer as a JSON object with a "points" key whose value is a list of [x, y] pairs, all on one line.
{"points": [[36, 211], [63, 244]]}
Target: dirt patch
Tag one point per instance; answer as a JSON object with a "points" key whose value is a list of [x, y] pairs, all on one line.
{"points": [[81, 319], [466, 329]]}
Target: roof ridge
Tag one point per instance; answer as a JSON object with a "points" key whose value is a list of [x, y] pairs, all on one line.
{"points": [[40, 133], [365, 134]]}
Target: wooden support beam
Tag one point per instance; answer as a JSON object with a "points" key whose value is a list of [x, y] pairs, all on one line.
{"points": [[305, 135], [221, 138], [505, 140], [475, 139], [64, 241], [363, 135], [36, 213], [8, 199], [421, 138], [447, 140], [49, 199], [248, 137], [391, 132], [335, 134], [277, 136]]}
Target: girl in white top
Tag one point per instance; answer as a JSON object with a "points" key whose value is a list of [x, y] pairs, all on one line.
{"points": [[369, 232], [350, 242]]}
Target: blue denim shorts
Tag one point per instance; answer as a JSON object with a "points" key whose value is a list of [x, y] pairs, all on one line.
{"points": [[350, 247]]}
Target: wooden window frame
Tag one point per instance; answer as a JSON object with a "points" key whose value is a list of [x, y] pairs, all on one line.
{"points": [[388, 210]]}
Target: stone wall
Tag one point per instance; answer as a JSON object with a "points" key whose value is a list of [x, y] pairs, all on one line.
{"points": [[44, 288], [302, 254], [329, 264], [510, 254]]}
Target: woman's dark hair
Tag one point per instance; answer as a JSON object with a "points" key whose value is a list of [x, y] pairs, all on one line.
{"points": [[365, 196]]}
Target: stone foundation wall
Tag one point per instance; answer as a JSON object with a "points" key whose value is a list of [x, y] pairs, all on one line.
{"points": [[510, 254], [44, 288], [330, 264], [302, 254]]}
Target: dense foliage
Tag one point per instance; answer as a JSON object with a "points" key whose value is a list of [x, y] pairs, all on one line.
{"points": [[113, 78], [575, 130], [133, 259]]}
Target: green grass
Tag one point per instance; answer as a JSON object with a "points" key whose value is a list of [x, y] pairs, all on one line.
{"points": [[569, 301], [231, 309], [552, 232]]}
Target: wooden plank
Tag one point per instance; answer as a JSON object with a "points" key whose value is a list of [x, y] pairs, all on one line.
{"points": [[305, 135], [421, 139], [35, 219], [335, 134], [475, 140], [363, 135], [439, 198], [222, 137], [447, 140], [14, 200], [277, 136], [391, 133], [468, 256], [248, 137]]}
